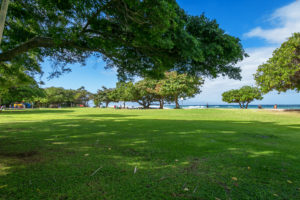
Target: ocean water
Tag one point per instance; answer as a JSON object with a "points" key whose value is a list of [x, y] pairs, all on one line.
{"points": [[279, 106]]}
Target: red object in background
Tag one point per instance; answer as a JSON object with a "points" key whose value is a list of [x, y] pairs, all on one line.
{"points": [[81, 105]]}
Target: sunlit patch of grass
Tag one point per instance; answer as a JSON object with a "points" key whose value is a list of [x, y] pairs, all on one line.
{"points": [[4, 169], [254, 154], [60, 142]]}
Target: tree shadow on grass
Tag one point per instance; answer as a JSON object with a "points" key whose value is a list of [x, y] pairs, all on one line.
{"points": [[106, 115], [169, 155], [292, 110], [34, 111]]}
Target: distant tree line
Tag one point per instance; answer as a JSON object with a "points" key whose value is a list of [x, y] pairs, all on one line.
{"points": [[145, 92], [48, 97]]}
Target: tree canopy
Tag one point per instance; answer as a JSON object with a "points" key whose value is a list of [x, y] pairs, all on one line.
{"points": [[242, 96], [137, 37], [178, 86], [144, 92], [124, 92], [147, 91], [58, 96], [22, 93], [282, 71], [105, 95]]}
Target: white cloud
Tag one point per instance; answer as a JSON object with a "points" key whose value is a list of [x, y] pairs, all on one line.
{"points": [[213, 89], [287, 20]]}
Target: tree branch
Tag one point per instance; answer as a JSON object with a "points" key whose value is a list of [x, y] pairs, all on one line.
{"points": [[89, 20], [42, 42], [24, 47]]}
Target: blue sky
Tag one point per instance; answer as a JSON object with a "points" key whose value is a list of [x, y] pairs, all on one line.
{"points": [[261, 25]]}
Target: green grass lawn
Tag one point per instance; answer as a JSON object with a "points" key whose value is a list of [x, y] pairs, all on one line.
{"points": [[149, 154]]}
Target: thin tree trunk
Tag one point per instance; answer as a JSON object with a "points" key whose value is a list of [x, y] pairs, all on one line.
{"points": [[106, 104], [4, 7], [240, 104], [176, 102], [161, 103], [124, 105], [247, 105]]}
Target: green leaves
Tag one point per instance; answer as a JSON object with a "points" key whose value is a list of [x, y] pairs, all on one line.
{"points": [[282, 71], [144, 38], [242, 96], [105, 95], [147, 91], [59, 95], [20, 93]]}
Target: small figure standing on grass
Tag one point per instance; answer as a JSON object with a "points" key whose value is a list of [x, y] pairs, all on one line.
{"points": [[275, 106]]}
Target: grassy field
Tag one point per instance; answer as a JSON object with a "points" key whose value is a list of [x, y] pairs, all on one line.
{"points": [[149, 154]]}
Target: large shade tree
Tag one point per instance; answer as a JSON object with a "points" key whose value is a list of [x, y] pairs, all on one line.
{"points": [[144, 92], [242, 96], [138, 37], [282, 71], [82, 96], [58, 96], [55, 96], [178, 86], [105, 95], [162, 94], [124, 92], [22, 93]]}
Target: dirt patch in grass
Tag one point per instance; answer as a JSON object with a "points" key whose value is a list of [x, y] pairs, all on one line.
{"points": [[27, 157], [194, 166]]}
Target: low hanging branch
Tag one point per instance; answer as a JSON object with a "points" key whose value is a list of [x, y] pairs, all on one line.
{"points": [[26, 46], [42, 42]]}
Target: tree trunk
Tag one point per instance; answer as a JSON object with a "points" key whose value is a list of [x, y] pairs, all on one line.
{"points": [[176, 102], [124, 104], [106, 104], [3, 12], [240, 104], [161, 104], [247, 105]]}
